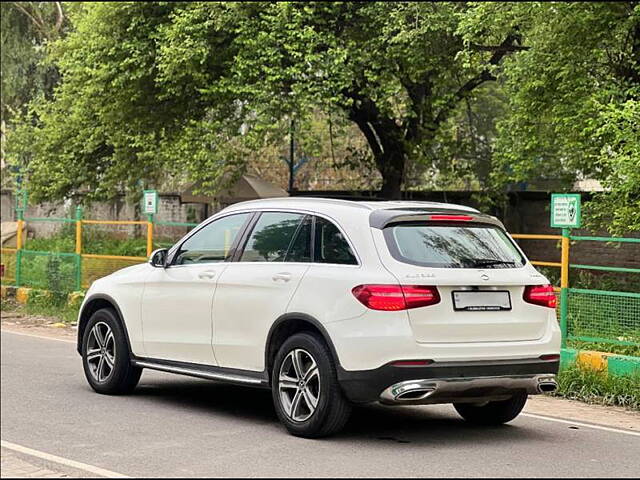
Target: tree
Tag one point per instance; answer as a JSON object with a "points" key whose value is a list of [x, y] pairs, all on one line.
{"points": [[193, 88], [572, 100], [26, 30], [398, 71]]}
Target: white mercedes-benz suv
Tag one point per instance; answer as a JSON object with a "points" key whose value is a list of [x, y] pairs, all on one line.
{"points": [[330, 303]]}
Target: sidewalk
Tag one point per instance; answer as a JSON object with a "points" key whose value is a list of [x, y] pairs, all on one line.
{"points": [[13, 465]]}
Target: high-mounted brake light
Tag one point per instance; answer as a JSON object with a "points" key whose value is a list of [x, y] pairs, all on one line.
{"points": [[540, 295], [396, 297], [451, 218]]}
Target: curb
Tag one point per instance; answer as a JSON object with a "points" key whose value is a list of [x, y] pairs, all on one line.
{"points": [[612, 364]]}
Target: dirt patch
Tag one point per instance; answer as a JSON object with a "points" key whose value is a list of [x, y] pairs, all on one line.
{"points": [[36, 325]]}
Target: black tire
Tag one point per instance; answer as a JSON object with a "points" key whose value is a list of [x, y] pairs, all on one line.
{"points": [[122, 375], [493, 413], [332, 410]]}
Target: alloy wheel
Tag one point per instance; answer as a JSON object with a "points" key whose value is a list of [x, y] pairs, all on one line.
{"points": [[101, 352], [299, 385]]}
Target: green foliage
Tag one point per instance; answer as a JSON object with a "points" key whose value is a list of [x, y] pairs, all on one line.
{"points": [[193, 88], [45, 304], [592, 386], [48, 271], [25, 31], [93, 241], [572, 101]]}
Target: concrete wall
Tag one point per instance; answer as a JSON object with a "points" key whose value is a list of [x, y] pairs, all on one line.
{"points": [[169, 209]]}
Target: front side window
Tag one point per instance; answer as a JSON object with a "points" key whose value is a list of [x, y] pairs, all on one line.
{"points": [[330, 244], [271, 237], [452, 246], [212, 243]]}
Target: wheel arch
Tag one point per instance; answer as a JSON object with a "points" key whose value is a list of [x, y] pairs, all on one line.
{"points": [[93, 304], [287, 325]]}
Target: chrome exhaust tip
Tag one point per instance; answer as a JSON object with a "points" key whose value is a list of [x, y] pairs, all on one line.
{"points": [[413, 395], [546, 386]]}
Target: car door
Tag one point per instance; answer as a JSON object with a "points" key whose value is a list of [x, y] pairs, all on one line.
{"points": [[176, 303], [255, 290]]}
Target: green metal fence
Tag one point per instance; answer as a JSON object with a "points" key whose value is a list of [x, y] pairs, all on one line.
{"points": [[601, 315], [588, 315]]}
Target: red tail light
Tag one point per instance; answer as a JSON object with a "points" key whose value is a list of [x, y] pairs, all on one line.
{"points": [[540, 295], [451, 218], [396, 297]]}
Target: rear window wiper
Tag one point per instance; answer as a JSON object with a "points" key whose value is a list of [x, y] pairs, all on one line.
{"points": [[487, 262]]}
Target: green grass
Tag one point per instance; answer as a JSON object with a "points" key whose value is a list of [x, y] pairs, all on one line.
{"points": [[45, 305], [591, 386]]}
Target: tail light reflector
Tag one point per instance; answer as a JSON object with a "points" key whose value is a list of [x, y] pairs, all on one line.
{"points": [[412, 363], [549, 357], [540, 295], [396, 297]]}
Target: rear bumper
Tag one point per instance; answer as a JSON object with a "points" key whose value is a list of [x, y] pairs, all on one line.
{"points": [[445, 382]]}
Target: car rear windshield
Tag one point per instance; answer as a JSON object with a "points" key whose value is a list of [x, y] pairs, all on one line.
{"points": [[452, 246]]}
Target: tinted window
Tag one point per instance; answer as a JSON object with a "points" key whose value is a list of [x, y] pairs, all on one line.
{"points": [[449, 246], [330, 244], [213, 242], [300, 249], [271, 237]]}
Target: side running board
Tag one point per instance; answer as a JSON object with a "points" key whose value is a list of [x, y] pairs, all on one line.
{"points": [[210, 373]]}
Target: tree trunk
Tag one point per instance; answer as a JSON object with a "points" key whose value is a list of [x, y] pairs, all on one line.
{"points": [[391, 164]]}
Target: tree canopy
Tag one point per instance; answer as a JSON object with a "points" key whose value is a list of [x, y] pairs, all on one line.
{"points": [[494, 93]]}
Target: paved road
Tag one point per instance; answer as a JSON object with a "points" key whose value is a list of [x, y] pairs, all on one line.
{"points": [[177, 426]]}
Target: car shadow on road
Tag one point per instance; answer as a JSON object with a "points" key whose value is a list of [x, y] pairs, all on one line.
{"points": [[418, 425]]}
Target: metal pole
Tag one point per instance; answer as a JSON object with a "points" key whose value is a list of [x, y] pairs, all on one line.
{"points": [[564, 284], [291, 160], [78, 248], [149, 234]]}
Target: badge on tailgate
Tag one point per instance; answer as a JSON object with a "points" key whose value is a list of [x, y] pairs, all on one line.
{"points": [[473, 300]]}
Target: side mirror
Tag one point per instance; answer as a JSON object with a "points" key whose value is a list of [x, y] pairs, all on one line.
{"points": [[158, 258]]}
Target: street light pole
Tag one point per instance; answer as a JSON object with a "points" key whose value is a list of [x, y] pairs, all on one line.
{"points": [[291, 161]]}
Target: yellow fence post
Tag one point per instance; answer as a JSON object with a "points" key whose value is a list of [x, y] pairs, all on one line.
{"points": [[20, 213], [564, 284], [78, 248], [149, 235]]}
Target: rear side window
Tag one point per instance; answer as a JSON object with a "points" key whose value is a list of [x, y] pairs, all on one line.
{"points": [[452, 246], [271, 237], [330, 245]]}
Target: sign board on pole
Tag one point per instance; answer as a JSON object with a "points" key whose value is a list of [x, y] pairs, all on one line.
{"points": [[150, 202], [565, 210]]}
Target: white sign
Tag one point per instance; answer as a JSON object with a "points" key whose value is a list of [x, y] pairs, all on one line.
{"points": [[565, 210], [150, 202]]}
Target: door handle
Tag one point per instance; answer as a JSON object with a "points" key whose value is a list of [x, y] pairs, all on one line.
{"points": [[207, 274], [284, 276]]}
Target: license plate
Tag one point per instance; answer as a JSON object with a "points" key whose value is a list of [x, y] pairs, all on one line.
{"points": [[480, 301]]}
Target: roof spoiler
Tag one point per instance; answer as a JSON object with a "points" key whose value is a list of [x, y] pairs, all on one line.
{"points": [[381, 218]]}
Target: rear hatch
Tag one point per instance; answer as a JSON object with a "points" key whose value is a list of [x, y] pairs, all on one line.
{"points": [[480, 275]]}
